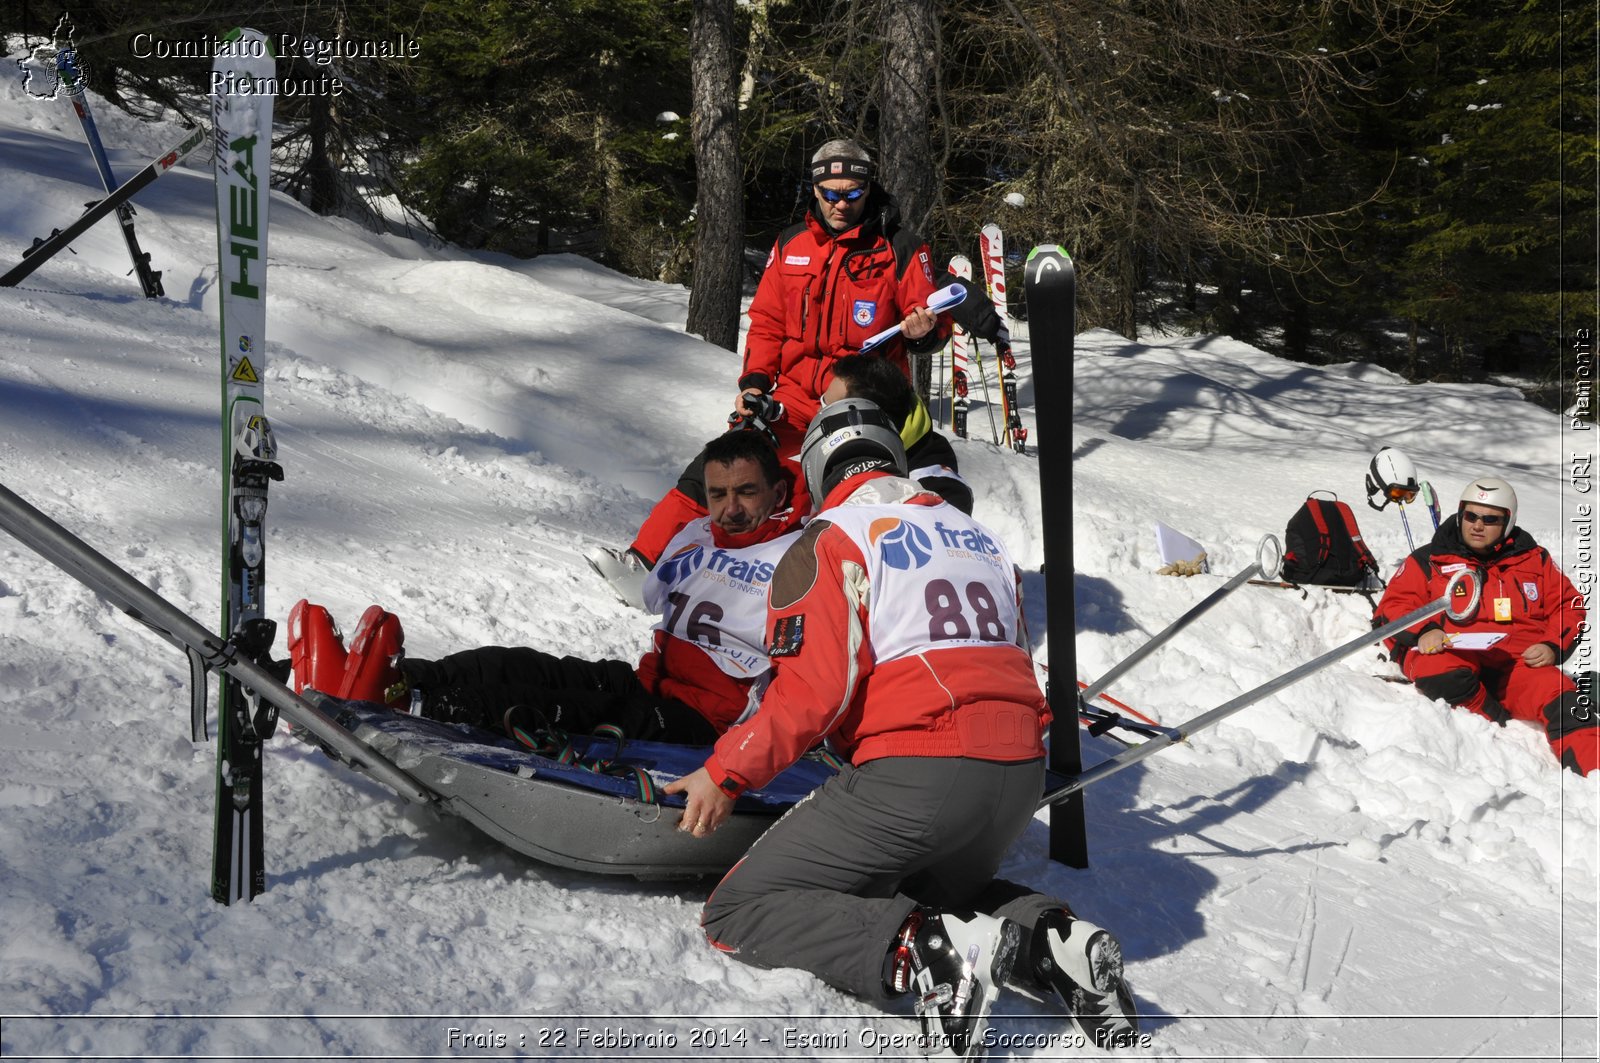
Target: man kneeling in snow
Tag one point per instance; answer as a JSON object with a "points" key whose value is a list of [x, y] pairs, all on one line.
{"points": [[1526, 600]]}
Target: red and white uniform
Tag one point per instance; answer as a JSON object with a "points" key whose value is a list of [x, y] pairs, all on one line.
{"points": [[823, 294], [1528, 600], [710, 589], [895, 631]]}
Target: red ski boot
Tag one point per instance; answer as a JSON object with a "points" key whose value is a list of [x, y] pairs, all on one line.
{"points": [[316, 649], [372, 672]]}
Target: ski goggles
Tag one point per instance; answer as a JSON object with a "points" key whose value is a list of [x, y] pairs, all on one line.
{"points": [[833, 195], [1488, 520], [1400, 493]]}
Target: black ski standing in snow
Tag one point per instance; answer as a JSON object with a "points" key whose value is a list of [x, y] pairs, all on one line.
{"points": [[1050, 285], [243, 130]]}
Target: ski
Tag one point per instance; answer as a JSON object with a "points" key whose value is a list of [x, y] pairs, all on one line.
{"points": [[243, 129], [45, 249], [961, 266], [992, 245], [72, 78], [1050, 287]]}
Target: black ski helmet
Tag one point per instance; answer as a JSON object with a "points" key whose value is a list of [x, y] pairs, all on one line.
{"points": [[844, 434]]}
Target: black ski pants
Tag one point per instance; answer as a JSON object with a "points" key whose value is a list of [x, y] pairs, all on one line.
{"points": [[476, 687]]}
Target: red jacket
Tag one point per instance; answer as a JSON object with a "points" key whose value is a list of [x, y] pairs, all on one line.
{"points": [[894, 630], [821, 296], [1543, 604]]}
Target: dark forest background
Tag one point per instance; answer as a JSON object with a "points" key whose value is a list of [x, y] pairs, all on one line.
{"points": [[1409, 183]]}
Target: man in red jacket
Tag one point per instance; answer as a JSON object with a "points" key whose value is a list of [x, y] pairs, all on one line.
{"points": [[895, 634], [1503, 663], [707, 654], [849, 270]]}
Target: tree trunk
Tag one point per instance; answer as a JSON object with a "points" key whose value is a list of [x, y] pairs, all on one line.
{"points": [[719, 193], [911, 54]]}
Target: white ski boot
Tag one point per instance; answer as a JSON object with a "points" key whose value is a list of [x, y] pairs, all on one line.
{"points": [[623, 569], [1083, 964], [954, 964]]}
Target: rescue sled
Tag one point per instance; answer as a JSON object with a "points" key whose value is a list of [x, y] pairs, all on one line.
{"points": [[566, 814]]}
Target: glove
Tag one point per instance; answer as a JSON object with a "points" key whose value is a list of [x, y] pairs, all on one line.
{"points": [[1002, 347], [1184, 568]]}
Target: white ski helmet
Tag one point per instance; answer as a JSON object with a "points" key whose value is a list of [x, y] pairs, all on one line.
{"points": [[1391, 476], [1491, 491], [849, 428]]}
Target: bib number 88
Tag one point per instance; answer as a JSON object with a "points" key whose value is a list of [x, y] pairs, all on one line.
{"points": [[952, 618]]}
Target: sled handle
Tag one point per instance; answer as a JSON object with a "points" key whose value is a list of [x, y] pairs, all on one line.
{"points": [[1129, 757], [1268, 552], [1469, 608], [1269, 557]]}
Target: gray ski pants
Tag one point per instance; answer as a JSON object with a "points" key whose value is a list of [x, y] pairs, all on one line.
{"points": [[827, 888]]}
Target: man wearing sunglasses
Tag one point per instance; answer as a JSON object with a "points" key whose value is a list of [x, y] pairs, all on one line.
{"points": [[1527, 601], [844, 273]]}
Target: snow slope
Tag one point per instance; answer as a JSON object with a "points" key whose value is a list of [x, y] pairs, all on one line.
{"points": [[1341, 871]]}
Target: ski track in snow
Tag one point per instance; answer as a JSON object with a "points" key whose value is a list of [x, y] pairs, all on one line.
{"points": [[1342, 870]]}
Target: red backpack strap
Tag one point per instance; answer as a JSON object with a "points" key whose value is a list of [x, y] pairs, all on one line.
{"points": [[1355, 537], [1320, 519]]}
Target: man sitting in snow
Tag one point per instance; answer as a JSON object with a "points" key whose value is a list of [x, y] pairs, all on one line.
{"points": [[707, 659], [1526, 599]]}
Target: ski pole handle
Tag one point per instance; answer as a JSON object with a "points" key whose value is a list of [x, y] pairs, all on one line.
{"points": [[1461, 614], [938, 302]]}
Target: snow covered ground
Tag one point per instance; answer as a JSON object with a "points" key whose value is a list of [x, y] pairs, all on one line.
{"points": [[1341, 871]]}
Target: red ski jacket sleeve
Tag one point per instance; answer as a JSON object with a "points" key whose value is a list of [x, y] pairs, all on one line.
{"points": [[822, 643]]}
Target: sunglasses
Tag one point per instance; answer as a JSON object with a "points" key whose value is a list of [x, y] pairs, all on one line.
{"points": [[835, 196], [1488, 520]]}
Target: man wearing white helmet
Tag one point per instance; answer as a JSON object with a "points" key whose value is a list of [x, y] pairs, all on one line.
{"points": [[894, 627], [1526, 600]]}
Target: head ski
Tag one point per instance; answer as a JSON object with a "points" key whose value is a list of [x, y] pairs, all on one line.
{"points": [[1051, 288], [241, 106]]}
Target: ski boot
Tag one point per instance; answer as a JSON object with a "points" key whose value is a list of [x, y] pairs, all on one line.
{"points": [[955, 965], [316, 649], [625, 570], [1083, 965], [372, 671]]}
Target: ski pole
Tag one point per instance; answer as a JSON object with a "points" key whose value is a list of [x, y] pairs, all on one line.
{"points": [[1269, 559], [977, 356], [86, 565], [1405, 522], [1294, 675]]}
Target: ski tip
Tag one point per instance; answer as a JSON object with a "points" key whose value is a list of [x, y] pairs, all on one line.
{"points": [[244, 41], [1048, 249]]}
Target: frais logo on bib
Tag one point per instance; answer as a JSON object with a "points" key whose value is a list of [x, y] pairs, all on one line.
{"points": [[741, 570], [901, 544], [681, 564]]}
